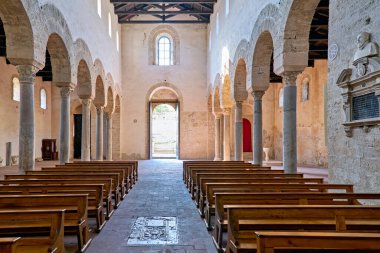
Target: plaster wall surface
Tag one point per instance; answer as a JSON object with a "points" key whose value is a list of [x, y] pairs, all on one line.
{"points": [[188, 79], [9, 112], [351, 160]]}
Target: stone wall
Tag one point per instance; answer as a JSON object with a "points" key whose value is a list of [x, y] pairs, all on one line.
{"points": [[357, 159], [187, 79]]}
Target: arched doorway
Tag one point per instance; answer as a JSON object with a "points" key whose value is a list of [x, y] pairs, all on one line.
{"points": [[247, 136], [164, 124]]}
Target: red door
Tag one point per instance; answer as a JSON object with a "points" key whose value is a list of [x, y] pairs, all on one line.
{"points": [[247, 136]]}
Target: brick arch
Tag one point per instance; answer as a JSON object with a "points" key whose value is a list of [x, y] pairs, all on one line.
{"points": [[163, 29], [267, 21], [261, 62], [295, 29], [58, 40], [21, 41]]}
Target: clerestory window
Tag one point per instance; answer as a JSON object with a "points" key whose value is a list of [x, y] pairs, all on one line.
{"points": [[164, 51]]}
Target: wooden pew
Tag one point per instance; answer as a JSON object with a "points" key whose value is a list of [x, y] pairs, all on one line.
{"points": [[94, 192], [200, 196], [124, 186], [41, 231], [243, 220], [185, 164], [89, 177], [9, 244], [189, 168], [75, 221], [193, 173], [284, 198], [269, 241], [27, 180], [131, 169], [239, 174]]}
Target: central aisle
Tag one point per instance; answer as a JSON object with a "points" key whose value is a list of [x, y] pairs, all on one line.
{"points": [[160, 192]]}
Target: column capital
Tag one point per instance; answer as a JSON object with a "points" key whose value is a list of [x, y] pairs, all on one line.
{"points": [[99, 109], [239, 104], [218, 115], [66, 91], [86, 101], [290, 78], [226, 111], [27, 73], [258, 94]]}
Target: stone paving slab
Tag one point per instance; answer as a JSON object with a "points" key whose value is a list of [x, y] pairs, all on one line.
{"points": [[160, 192]]}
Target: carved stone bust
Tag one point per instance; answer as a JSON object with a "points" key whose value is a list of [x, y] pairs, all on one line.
{"points": [[366, 48]]}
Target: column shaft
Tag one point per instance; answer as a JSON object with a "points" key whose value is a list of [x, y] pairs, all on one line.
{"points": [[258, 128], [239, 132], [221, 137], [99, 133], [226, 142], [26, 131], [218, 156], [290, 123], [109, 137], [64, 128], [86, 155]]}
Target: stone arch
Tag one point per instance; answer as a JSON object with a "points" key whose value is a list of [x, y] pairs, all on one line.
{"points": [[98, 70], [240, 81], [116, 153], [163, 29], [84, 87], [241, 53], [261, 62], [225, 93], [216, 108], [82, 54], [21, 41], [267, 21], [100, 92], [294, 51], [164, 85], [110, 108], [58, 41]]}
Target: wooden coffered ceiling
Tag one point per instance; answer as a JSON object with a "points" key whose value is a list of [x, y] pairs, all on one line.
{"points": [[167, 11]]}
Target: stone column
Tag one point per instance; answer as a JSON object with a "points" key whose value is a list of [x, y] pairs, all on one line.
{"points": [[290, 122], [27, 74], [226, 142], [218, 156], [258, 127], [64, 127], [99, 133], [109, 137], [86, 128], [239, 131], [221, 137]]}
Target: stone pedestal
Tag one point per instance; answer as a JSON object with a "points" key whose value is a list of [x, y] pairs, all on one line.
{"points": [[99, 133], [226, 142], [218, 154], [64, 128], [239, 131], [86, 129], [290, 123], [258, 127], [27, 75]]}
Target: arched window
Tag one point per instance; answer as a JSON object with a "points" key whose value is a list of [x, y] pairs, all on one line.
{"points": [[16, 89], [109, 25], [43, 98], [100, 8], [164, 51], [227, 7], [217, 24]]}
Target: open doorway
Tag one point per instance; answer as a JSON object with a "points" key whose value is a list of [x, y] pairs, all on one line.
{"points": [[77, 136], [164, 130]]}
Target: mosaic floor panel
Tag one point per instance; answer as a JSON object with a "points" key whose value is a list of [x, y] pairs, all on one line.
{"points": [[154, 231]]}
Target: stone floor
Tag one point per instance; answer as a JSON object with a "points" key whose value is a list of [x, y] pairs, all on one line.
{"points": [[157, 216], [160, 192]]}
